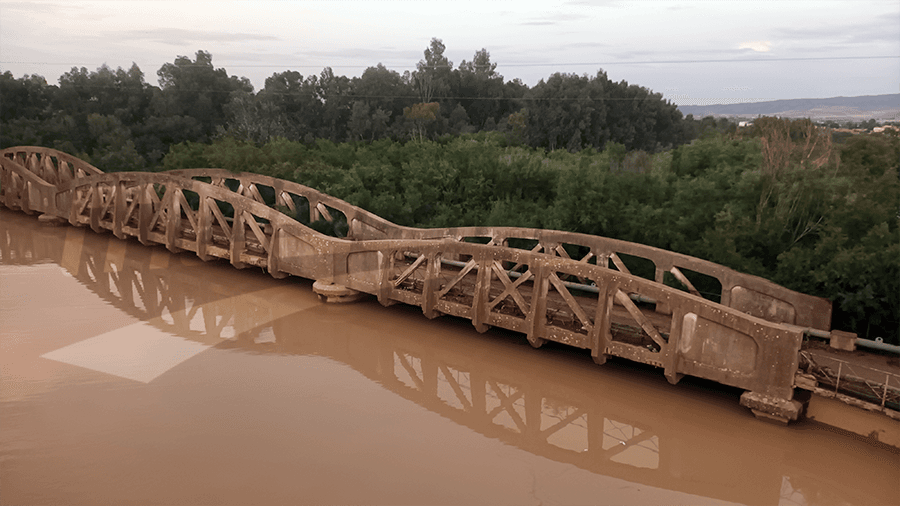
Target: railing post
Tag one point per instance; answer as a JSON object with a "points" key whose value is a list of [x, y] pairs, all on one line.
{"points": [[837, 382], [96, 204], [173, 217], [481, 297], [601, 333], [385, 266], [145, 212], [204, 226], [432, 274], [119, 210], [537, 318], [238, 232]]}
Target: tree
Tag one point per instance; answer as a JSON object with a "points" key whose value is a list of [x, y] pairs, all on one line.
{"points": [[480, 65], [381, 88], [480, 89], [198, 90], [115, 150], [420, 115], [253, 118], [28, 97], [568, 111], [334, 93], [297, 101], [432, 76], [26, 111]]}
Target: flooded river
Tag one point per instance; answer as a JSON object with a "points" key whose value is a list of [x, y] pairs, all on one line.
{"points": [[131, 375]]}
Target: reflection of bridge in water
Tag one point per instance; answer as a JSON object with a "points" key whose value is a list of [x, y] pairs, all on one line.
{"points": [[551, 286], [611, 427]]}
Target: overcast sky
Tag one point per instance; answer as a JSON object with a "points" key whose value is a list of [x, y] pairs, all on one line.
{"points": [[702, 52]]}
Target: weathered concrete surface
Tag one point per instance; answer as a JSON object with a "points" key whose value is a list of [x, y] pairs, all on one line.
{"points": [[776, 409], [330, 292], [841, 340]]}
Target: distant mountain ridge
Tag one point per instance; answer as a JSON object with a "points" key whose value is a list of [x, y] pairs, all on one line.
{"points": [[879, 107]]}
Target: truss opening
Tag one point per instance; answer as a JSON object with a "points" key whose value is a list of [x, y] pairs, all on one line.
{"points": [[294, 206], [520, 243], [267, 194], [700, 284], [637, 326], [574, 309], [631, 264], [511, 292], [457, 281], [408, 271]]}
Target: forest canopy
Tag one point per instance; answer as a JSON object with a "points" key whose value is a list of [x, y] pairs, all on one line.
{"points": [[116, 119]]}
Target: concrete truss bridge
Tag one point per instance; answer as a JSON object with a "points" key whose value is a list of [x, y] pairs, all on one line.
{"points": [[580, 290]]}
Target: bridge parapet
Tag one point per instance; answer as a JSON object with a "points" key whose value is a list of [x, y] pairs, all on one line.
{"points": [[746, 293]]}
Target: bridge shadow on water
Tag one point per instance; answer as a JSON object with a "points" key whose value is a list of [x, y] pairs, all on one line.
{"points": [[622, 420]]}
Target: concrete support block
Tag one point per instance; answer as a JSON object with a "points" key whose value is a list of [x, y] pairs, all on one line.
{"points": [[841, 340], [330, 292], [50, 220], [771, 408]]}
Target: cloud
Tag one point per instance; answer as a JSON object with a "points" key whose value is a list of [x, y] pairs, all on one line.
{"points": [[595, 3], [550, 19], [760, 46], [880, 29], [181, 37], [367, 54]]}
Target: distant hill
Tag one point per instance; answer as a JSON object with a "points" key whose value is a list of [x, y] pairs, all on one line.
{"points": [[879, 107]]}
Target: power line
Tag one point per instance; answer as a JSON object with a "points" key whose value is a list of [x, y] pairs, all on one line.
{"points": [[512, 65]]}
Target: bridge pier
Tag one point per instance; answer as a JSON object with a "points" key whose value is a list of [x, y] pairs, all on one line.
{"points": [[771, 408], [334, 293], [51, 220]]}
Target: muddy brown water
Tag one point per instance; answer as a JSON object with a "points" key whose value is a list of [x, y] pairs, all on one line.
{"points": [[134, 376]]}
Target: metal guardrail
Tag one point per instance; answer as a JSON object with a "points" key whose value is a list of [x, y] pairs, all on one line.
{"points": [[835, 377]]}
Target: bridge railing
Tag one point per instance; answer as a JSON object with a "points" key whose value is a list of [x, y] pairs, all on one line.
{"points": [[855, 384], [746, 293], [750, 294]]}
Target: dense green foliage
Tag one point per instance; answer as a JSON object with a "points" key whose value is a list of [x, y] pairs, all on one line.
{"points": [[114, 118], [829, 229]]}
